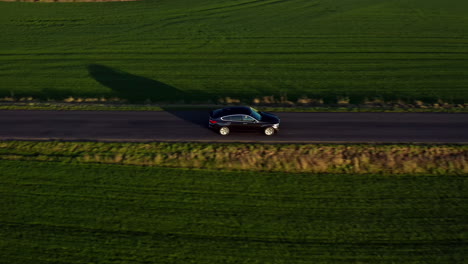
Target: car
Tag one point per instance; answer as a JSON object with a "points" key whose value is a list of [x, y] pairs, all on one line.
{"points": [[243, 118]]}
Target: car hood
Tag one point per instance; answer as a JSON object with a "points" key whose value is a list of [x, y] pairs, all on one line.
{"points": [[270, 118]]}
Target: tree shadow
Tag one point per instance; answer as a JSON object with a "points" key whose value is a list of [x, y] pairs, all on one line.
{"points": [[138, 89], [134, 88]]}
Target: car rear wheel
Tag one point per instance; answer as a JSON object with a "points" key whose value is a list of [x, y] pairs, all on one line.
{"points": [[224, 131], [269, 131]]}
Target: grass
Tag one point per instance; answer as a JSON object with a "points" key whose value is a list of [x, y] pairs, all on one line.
{"points": [[202, 51], [355, 159], [102, 104], [83, 213]]}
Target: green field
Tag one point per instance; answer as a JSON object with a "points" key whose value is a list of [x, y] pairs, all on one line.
{"points": [[62, 213], [185, 51]]}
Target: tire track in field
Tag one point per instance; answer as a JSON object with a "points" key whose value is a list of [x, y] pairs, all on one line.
{"points": [[248, 4], [202, 14]]}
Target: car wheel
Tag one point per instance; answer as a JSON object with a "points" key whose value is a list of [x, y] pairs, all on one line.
{"points": [[224, 131], [269, 131]]}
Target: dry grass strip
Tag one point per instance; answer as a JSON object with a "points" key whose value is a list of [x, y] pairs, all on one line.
{"points": [[361, 159]]}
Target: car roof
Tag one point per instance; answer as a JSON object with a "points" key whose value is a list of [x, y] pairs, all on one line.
{"points": [[233, 110]]}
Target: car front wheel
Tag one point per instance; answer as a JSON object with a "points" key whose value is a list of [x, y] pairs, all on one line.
{"points": [[224, 131], [269, 131]]}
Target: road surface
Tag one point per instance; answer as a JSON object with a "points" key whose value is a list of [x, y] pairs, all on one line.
{"points": [[192, 126]]}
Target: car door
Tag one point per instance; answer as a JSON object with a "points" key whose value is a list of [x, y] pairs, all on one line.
{"points": [[236, 122], [249, 123]]}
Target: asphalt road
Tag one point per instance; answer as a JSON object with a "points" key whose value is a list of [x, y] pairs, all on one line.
{"points": [[192, 126]]}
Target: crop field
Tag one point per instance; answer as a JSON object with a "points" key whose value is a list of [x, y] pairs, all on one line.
{"points": [[92, 213], [186, 51]]}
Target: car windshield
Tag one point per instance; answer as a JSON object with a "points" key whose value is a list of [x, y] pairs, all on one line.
{"points": [[255, 114]]}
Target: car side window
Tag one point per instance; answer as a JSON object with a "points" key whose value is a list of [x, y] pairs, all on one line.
{"points": [[236, 118], [232, 118], [247, 118]]}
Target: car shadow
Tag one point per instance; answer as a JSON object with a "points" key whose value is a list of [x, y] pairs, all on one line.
{"points": [[138, 89]]}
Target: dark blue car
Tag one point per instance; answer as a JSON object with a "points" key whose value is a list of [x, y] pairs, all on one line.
{"points": [[243, 118]]}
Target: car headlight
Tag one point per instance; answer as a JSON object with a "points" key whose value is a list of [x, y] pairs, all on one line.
{"points": [[276, 126]]}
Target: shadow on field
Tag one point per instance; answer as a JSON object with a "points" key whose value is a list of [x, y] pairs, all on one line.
{"points": [[138, 89], [135, 89]]}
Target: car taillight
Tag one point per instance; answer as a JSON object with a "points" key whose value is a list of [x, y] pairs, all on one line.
{"points": [[213, 122]]}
